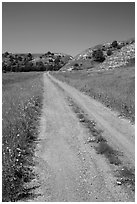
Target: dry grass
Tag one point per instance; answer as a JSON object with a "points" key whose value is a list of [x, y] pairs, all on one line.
{"points": [[100, 143], [125, 176], [114, 88], [22, 96], [108, 152]]}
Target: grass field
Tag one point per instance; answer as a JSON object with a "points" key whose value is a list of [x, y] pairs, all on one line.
{"points": [[22, 102], [114, 88]]}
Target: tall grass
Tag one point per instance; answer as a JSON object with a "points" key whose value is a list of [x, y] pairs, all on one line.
{"points": [[125, 175], [114, 88], [22, 101]]}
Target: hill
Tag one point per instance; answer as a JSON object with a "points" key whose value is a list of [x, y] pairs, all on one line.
{"points": [[104, 56], [106, 73], [33, 62]]}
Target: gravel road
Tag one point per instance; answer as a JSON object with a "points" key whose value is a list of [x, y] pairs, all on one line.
{"points": [[68, 168]]}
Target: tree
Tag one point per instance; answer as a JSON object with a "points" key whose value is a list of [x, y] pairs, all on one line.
{"points": [[57, 64], [109, 52], [4, 67], [115, 44], [98, 55], [49, 53], [20, 58], [6, 54], [50, 60], [57, 60], [76, 65], [40, 66], [11, 58], [29, 56]]}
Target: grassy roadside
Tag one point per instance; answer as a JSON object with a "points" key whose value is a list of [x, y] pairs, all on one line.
{"points": [[22, 102], [124, 175], [114, 88]]}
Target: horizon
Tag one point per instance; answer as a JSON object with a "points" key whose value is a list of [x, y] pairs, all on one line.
{"points": [[64, 27], [41, 53]]}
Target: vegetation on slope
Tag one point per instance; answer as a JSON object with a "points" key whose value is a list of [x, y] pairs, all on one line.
{"points": [[28, 62], [22, 101], [104, 56]]}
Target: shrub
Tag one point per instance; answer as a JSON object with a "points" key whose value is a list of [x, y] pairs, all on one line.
{"points": [[119, 46], [20, 58], [29, 55], [98, 55], [48, 53], [76, 65], [50, 60], [115, 44], [104, 48], [109, 52], [6, 54], [57, 60], [3, 67]]}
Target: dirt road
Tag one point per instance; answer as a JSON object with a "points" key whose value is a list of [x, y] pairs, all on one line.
{"points": [[68, 168]]}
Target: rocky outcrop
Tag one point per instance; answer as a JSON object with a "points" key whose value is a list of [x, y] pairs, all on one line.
{"points": [[119, 58], [104, 56]]}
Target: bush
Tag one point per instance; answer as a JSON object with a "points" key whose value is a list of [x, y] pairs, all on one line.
{"points": [[98, 55], [6, 54], [104, 48], [119, 46], [18, 63], [49, 53], [115, 44], [76, 65], [109, 52]]}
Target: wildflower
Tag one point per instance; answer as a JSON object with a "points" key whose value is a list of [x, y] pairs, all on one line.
{"points": [[18, 149]]}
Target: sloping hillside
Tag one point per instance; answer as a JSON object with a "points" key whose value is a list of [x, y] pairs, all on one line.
{"points": [[52, 59], [120, 58], [33, 62], [104, 56]]}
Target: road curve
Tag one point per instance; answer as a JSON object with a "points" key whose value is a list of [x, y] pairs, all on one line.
{"points": [[68, 168]]}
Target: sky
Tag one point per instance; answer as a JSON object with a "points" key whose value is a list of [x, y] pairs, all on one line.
{"points": [[67, 27]]}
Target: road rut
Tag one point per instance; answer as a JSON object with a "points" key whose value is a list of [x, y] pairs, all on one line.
{"points": [[67, 168]]}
